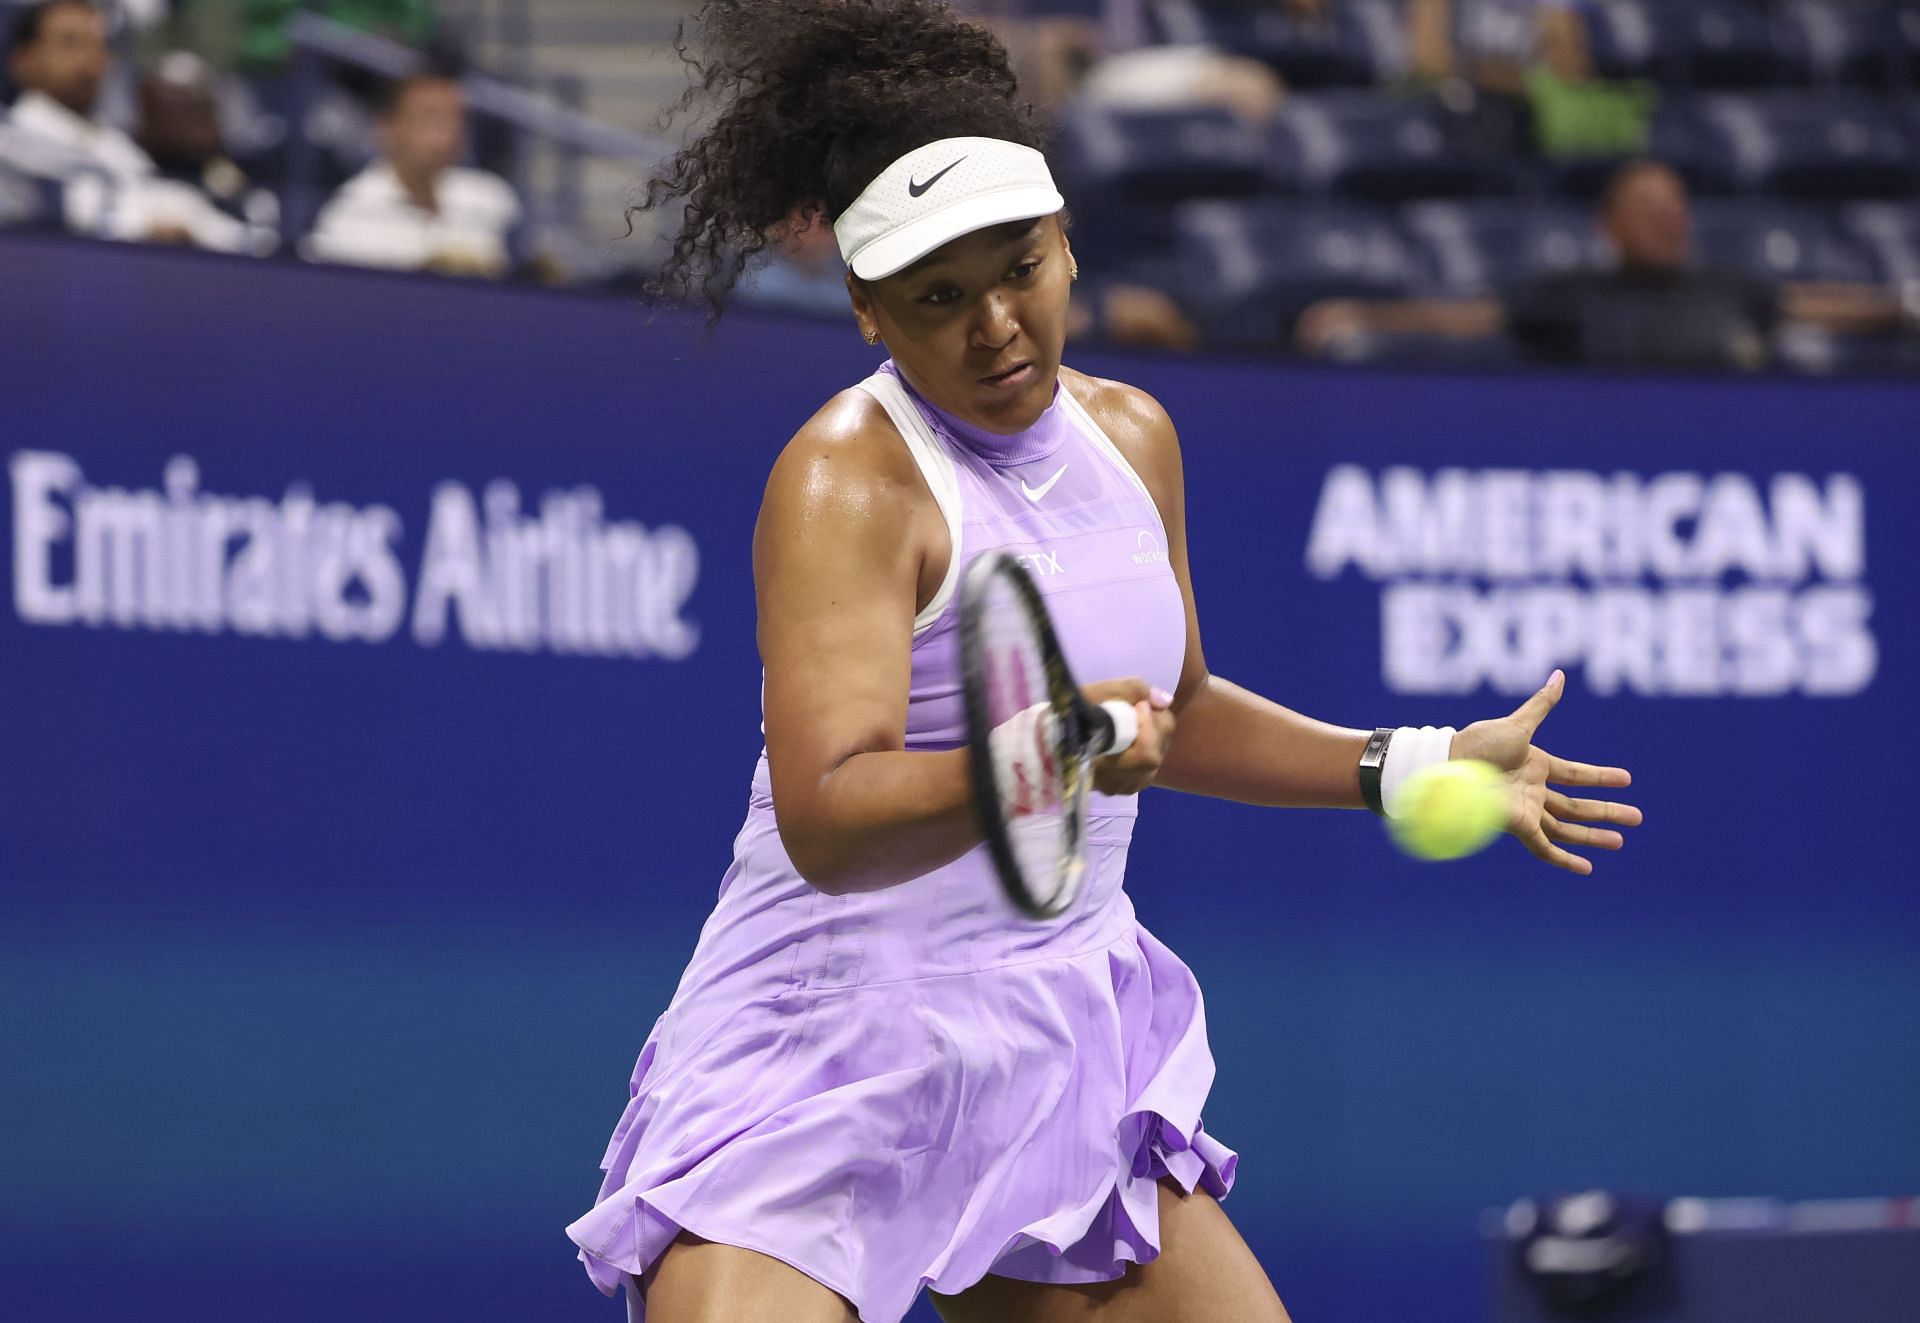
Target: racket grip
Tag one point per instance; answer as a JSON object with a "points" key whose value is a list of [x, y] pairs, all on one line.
{"points": [[1126, 726]]}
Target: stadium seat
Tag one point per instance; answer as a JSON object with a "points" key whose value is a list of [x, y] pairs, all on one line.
{"points": [[1629, 40], [1108, 233], [1888, 234], [1355, 45], [1812, 144], [1372, 145], [1733, 43], [1248, 268], [1776, 241], [1159, 155], [1709, 43], [1473, 247], [1062, 8], [1901, 37], [1122, 171], [1838, 45]]}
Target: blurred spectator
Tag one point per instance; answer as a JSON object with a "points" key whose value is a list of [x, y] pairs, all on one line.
{"points": [[57, 56], [1112, 61], [1529, 66], [1136, 316], [1651, 308], [180, 131], [1493, 43], [415, 208], [263, 96], [1575, 113], [1165, 77]]}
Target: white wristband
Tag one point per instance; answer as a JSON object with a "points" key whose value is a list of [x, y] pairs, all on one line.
{"points": [[1126, 725], [1412, 748]]}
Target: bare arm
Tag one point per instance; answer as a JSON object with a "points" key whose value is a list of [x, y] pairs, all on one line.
{"points": [[1235, 745], [1840, 306], [1430, 38], [1230, 743], [838, 554], [1324, 324]]}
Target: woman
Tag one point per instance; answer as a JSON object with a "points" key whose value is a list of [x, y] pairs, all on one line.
{"points": [[875, 1076]]}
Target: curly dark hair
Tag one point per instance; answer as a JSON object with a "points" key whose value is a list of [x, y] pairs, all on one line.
{"points": [[816, 98]]}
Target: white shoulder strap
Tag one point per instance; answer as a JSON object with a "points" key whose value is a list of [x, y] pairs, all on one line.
{"points": [[936, 466], [1101, 441]]}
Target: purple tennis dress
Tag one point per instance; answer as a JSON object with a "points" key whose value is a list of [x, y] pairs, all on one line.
{"points": [[916, 1086]]}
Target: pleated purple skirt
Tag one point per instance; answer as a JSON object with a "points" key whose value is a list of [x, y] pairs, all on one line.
{"points": [[1010, 1112]]}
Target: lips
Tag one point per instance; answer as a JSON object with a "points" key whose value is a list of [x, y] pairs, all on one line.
{"points": [[1005, 375]]}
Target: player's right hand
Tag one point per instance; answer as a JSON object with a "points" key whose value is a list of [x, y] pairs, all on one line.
{"points": [[1131, 771]]}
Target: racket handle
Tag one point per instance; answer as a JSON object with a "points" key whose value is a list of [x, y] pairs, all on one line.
{"points": [[1126, 726]]}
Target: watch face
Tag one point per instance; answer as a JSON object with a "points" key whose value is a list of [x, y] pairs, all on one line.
{"points": [[1371, 760]]}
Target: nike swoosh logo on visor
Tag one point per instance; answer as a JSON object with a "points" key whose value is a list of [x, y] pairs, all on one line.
{"points": [[916, 189], [1035, 493]]}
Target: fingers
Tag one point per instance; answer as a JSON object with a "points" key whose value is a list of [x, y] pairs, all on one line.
{"points": [[1609, 811], [1564, 821], [1128, 689], [1544, 849], [1566, 773], [1156, 729], [1133, 769], [1534, 711], [1572, 833]]}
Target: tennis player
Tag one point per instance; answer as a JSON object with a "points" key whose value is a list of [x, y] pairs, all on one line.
{"points": [[875, 1076]]}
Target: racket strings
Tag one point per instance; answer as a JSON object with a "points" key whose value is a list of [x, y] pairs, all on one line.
{"points": [[1025, 763], [1035, 796], [1035, 770]]}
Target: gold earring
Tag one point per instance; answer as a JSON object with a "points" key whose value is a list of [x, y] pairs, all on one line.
{"points": [[871, 337], [1073, 269]]}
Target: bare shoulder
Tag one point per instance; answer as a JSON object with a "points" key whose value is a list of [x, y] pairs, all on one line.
{"points": [[845, 462], [1136, 421], [1116, 404]]}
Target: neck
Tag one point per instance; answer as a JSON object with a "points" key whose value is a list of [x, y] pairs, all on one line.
{"points": [[418, 185], [1036, 441]]}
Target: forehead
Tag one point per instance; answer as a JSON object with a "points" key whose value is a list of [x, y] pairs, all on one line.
{"points": [[978, 245], [66, 22], [1654, 181], [432, 94]]}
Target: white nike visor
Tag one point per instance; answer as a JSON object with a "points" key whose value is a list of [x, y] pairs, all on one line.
{"points": [[937, 193]]}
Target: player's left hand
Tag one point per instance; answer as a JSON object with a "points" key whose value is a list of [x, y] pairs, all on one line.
{"points": [[1544, 819]]}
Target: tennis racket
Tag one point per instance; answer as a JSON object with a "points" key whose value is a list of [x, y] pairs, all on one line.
{"points": [[1032, 737]]}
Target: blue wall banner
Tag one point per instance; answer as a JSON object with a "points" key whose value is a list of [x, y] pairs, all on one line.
{"points": [[382, 700]]}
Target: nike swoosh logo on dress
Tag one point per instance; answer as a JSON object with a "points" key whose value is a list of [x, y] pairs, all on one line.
{"points": [[916, 189], [1035, 493]]}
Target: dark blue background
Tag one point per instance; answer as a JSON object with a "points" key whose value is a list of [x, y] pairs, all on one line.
{"points": [[322, 966]]}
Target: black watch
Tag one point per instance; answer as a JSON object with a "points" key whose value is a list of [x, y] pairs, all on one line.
{"points": [[1372, 759]]}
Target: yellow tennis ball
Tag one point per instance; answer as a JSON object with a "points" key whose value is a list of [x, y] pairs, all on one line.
{"points": [[1449, 810]]}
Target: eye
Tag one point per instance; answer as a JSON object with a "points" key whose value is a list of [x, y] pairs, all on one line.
{"points": [[942, 296], [1025, 269]]}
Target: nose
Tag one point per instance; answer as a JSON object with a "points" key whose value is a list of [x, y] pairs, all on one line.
{"points": [[996, 326]]}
